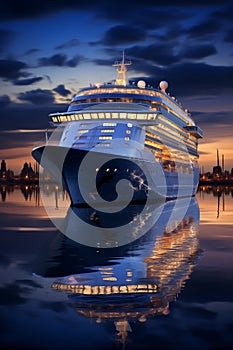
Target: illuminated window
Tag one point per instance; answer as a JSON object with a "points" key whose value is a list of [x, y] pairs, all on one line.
{"points": [[86, 116], [54, 119], [127, 138], [128, 131], [141, 116], [63, 118], [82, 131], [107, 130], [115, 115], [129, 125], [131, 115], [94, 115], [109, 124], [151, 116], [105, 138], [123, 115]]}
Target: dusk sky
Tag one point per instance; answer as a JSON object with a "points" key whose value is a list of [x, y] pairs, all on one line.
{"points": [[51, 49]]}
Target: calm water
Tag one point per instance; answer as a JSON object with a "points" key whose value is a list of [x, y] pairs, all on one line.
{"points": [[173, 288]]}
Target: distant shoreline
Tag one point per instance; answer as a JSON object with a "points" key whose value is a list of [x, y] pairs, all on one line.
{"points": [[13, 182]]}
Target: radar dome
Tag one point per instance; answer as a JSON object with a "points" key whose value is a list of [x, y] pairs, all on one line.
{"points": [[141, 84], [163, 85]]}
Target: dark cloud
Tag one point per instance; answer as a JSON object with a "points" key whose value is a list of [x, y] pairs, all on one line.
{"points": [[160, 54], [28, 283], [31, 51], [217, 119], [189, 79], [146, 17], [121, 35], [11, 294], [55, 60], [28, 81], [198, 52], [59, 60], [203, 29], [61, 90], [200, 79], [28, 9], [37, 97], [225, 13], [56, 306], [68, 44], [10, 69], [73, 62], [4, 101], [26, 116], [6, 36], [229, 36]]}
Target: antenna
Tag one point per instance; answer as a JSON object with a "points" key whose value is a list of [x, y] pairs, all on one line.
{"points": [[121, 70]]}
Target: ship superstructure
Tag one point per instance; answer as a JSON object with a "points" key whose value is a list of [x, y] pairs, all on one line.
{"points": [[102, 114]]}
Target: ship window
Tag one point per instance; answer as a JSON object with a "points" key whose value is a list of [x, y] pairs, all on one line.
{"points": [[101, 115], [107, 130], [131, 115], [109, 124], [127, 138], [54, 119], [63, 118], [94, 115], [103, 144], [82, 131], [128, 131], [115, 115], [151, 116], [86, 116], [123, 115], [129, 125], [108, 115], [141, 116], [105, 137]]}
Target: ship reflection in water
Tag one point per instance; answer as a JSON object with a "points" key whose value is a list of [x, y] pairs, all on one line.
{"points": [[130, 283]]}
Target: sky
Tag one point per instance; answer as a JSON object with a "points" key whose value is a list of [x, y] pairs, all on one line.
{"points": [[51, 49]]}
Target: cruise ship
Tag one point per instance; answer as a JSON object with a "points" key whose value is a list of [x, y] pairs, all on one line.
{"points": [[123, 131]]}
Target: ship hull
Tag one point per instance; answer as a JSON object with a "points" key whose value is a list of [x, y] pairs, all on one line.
{"points": [[65, 164]]}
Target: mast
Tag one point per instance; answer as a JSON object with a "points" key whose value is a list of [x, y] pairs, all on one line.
{"points": [[121, 68]]}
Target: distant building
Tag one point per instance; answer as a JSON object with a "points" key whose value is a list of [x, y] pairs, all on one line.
{"points": [[27, 173], [3, 170], [217, 170]]}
